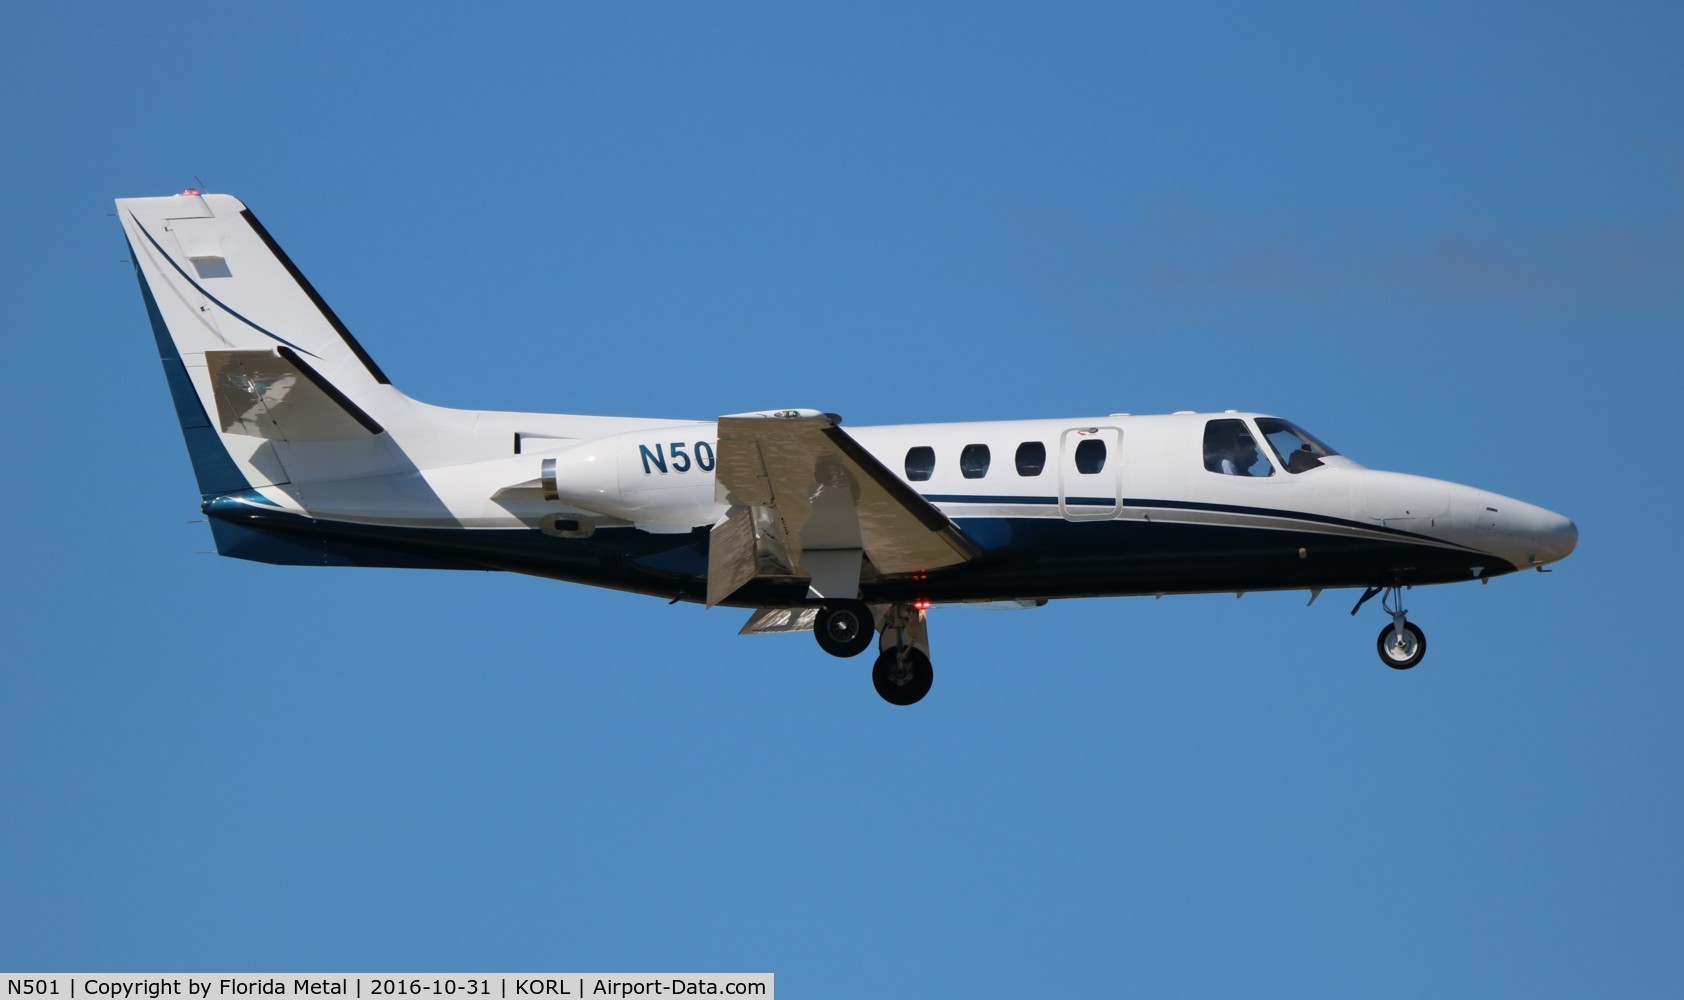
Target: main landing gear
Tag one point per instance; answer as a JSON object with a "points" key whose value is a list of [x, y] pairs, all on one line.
{"points": [[1402, 643], [902, 673], [843, 628]]}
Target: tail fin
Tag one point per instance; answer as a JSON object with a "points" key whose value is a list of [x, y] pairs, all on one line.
{"points": [[268, 384]]}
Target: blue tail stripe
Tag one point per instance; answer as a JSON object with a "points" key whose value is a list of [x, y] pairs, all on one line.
{"points": [[224, 306]]}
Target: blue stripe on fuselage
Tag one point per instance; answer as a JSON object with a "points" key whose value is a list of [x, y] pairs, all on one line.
{"points": [[1192, 505], [1038, 501]]}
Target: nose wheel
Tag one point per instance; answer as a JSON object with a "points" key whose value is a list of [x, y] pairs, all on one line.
{"points": [[1401, 649], [1402, 643]]}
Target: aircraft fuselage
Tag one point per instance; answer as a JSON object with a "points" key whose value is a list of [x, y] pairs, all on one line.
{"points": [[306, 454]]}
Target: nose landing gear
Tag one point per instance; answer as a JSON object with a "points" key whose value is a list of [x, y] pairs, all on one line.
{"points": [[1401, 647], [1402, 643]]}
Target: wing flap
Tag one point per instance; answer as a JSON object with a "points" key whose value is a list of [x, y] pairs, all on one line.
{"points": [[732, 556], [767, 621]]}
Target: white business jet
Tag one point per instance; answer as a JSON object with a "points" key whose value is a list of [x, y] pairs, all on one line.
{"points": [[307, 455]]}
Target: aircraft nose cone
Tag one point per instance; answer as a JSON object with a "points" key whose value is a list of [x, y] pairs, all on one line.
{"points": [[1524, 534], [1557, 538], [1541, 536]]}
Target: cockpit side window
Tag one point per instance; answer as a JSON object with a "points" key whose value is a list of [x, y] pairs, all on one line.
{"points": [[1297, 450], [1232, 451]]}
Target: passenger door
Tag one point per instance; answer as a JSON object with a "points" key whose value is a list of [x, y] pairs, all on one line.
{"points": [[1090, 473]]}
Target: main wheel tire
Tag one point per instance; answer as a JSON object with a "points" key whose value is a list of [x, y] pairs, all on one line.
{"points": [[1404, 651], [902, 676], [844, 628]]}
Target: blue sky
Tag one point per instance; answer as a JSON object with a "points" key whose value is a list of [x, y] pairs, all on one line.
{"points": [[1447, 239]]}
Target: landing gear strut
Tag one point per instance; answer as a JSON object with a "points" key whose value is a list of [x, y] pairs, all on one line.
{"points": [[1402, 643], [902, 673], [843, 628]]}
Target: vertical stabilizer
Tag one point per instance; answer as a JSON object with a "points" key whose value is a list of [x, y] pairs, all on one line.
{"points": [[269, 385]]}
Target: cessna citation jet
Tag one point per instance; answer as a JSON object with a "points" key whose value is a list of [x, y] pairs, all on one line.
{"points": [[307, 455]]}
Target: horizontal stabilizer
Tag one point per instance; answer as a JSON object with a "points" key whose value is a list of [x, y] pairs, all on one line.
{"points": [[276, 394], [530, 490]]}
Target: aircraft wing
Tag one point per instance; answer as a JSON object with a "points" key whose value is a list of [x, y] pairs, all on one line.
{"points": [[824, 496]]}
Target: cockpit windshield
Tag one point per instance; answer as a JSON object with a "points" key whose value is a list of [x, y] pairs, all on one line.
{"points": [[1297, 450]]}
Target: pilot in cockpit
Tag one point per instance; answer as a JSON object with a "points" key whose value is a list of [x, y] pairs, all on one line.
{"points": [[1230, 449], [1239, 455]]}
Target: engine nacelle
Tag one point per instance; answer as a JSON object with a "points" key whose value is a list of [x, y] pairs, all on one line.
{"points": [[659, 476]]}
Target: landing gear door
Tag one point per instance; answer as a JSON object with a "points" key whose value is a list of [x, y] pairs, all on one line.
{"points": [[1090, 473]]}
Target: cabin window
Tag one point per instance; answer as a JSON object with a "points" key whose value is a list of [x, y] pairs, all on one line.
{"points": [[973, 461], [1031, 458], [1232, 451], [1090, 457], [1296, 448], [920, 463]]}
